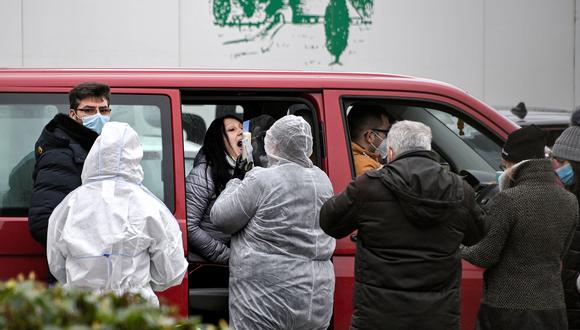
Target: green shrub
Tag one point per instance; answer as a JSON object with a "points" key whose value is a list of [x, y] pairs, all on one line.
{"points": [[27, 304]]}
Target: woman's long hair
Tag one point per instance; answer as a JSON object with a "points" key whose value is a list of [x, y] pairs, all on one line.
{"points": [[214, 150]]}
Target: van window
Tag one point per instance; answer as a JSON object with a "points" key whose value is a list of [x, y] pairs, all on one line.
{"points": [[150, 117], [24, 115], [208, 283], [458, 139], [196, 119], [258, 114]]}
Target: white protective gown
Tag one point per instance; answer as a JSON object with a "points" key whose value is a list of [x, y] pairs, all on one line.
{"points": [[281, 276], [111, 233]]}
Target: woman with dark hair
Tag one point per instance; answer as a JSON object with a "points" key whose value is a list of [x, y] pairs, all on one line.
{"points": [[212, 169], [566, 154]]}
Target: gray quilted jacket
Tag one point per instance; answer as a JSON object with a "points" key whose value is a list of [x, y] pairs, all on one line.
{"points": [[203, 238]]}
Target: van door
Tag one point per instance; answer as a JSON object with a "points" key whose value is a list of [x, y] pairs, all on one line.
{"points": [[468, 138], [154, 114], [208, 289]]}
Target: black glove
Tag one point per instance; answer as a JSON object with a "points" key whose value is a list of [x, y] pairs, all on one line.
{"points": [[242, 166]]}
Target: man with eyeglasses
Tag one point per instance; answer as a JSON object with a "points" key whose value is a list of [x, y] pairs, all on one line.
{"points": [[368, 125], [60, 153]]}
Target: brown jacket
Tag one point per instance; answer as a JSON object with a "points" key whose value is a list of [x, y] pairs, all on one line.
{"points": [[364, 160]]}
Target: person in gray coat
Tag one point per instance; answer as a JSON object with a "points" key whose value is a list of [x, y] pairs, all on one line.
{"points": [[531, 224], [566, 158], [212, 169], [281, 276]]}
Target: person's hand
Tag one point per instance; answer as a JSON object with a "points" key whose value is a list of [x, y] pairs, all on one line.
{"points": [[242, 166], [578, 284]]}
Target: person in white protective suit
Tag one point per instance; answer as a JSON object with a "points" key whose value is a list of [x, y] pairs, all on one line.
{"points": [[281, 276], [111, 233]]}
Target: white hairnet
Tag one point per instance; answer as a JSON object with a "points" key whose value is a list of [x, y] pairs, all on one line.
{"points": [[289, 139]]}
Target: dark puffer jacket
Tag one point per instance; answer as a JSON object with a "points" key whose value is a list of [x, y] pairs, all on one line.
{"points": [[532, 222], [204, 240], [411, 217], [60, 153]]}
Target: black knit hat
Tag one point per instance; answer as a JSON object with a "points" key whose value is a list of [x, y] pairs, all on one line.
{"points": [[525, 143]]}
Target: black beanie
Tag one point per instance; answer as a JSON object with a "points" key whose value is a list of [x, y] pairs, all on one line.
{"points": [[525, 143]]}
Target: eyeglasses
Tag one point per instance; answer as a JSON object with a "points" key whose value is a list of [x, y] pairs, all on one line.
{"points": [[384, 131], [93, 110]]}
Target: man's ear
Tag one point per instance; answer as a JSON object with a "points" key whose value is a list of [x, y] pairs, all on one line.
{"points": [[72, 114], [390, 154], [369, 136]]}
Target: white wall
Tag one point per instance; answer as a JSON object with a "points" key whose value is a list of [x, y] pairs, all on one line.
{"points": [[10, 33], [500, 51], [109, 33], [529, 52], [576, 69]]}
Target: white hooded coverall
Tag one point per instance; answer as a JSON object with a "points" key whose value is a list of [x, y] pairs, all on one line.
{"points": [[281, 276], [111, 233]]}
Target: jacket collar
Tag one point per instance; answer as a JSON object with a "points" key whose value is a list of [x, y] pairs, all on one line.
{"points": [[418, 153], [532, 171], [358, 150], [82, 135]]}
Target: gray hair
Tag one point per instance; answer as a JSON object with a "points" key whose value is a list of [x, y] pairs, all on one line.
{"points": [[409, 135]]}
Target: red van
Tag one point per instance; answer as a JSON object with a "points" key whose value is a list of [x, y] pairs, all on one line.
{"points": [[171, 109]]}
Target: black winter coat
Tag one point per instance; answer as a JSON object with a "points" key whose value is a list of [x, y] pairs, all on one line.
{"points": [[60, 153], [411, 217]]}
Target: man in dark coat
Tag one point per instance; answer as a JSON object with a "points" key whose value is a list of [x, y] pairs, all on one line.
{"points": [[411, 216], [531, 224], [60, 152]]}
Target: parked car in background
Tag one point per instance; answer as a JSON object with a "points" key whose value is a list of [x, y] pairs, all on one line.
{"points": [[550, 120]]}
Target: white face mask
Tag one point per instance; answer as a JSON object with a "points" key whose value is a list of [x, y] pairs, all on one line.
{"points": [[383, 149]]}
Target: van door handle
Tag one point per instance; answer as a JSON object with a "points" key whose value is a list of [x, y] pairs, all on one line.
{"points": [[353, 237]]}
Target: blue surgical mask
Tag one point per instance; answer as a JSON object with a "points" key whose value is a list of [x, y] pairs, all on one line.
{"points": [[502, 180], [95, 122], [566, 174]]}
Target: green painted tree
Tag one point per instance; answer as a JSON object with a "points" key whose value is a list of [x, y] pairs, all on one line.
{"points": [[363, 7], [273, 7], [297, 9], [336, 26], [249, 7], [221, 11]]}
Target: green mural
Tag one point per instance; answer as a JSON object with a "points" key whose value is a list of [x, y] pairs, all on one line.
{"points": [[336, 22], [262, 19]]}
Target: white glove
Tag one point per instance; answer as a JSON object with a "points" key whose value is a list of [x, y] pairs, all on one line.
{"points": [[578, 284]]}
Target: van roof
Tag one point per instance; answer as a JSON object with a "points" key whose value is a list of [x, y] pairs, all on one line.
{"points": [[214, 78]]}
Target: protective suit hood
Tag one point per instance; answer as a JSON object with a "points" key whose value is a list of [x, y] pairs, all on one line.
{"points": [[117, 152], [289, 140]]}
